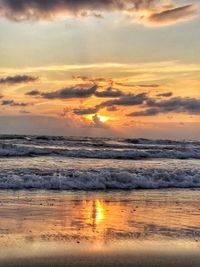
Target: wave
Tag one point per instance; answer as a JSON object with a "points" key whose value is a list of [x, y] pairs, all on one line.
{"points": [[103, 179], [9, 150], [95, 140]]}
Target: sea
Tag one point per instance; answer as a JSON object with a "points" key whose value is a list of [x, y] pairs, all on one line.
{"points": [[84, 163]]}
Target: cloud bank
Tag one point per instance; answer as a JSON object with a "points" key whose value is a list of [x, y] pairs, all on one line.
{"points": [[78, 92], [127, 100], [12, 103], [175, 104], [146, 11], [66, 93], [117, 98]]}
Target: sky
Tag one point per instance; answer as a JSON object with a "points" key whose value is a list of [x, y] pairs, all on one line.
{"points": [[122, 68]]}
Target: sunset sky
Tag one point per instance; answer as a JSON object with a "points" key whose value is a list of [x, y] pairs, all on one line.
{"points": [[100, 68]]}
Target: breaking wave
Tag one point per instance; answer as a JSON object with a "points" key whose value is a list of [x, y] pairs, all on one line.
{"points": [[103, 179]]}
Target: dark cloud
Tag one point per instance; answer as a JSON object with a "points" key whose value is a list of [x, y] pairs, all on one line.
{"points": [[20, 10], [109, 92], [12, 103], [176, 104], [68, 93], [147, 112], [167, 94], [127, 100], [76, 92], [33, 93], [86, 111], [18, 79], [173, 15]]}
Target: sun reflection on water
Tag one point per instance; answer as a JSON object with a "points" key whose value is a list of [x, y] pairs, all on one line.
{"points": [[95, 213], [100, 219], [99, 212]]}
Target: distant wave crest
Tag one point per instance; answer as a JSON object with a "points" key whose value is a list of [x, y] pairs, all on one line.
{"points": [[9, 150]]}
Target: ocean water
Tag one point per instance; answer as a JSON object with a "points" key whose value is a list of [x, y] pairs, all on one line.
{"points": [[71, 163]]}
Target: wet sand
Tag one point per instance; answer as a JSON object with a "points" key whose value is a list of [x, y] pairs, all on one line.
{"points": [[141, 260], [135, 228]]}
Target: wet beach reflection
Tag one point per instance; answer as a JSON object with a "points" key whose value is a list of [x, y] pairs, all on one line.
{"points": [[99, 217]]}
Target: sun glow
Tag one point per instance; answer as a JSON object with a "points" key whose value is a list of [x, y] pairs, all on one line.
{"points": [[101, 118]]}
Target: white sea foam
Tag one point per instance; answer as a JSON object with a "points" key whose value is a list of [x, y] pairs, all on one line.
{"points": [[102, 179]]}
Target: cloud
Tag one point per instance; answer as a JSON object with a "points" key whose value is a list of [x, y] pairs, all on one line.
{"points": [[147, 112], [176, 104], [127, 100], [148, 85], [36, 9], [125, 84], [86, 111], [109, 92], [18, 79], [167, 94], [67, 93], [12, 103], [33, 93], [174, 15], [94, 80], [147, 11], [75, 92], [149, 71]]}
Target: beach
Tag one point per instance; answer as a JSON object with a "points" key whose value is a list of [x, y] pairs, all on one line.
{"points": [[138, 228], [99, 202]]}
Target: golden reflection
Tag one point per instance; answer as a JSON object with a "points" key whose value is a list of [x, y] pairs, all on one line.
{"points": [[99, 218], [99, 212], [95, 213]]}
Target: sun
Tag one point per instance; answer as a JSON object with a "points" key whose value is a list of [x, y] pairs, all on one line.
{"points": [[101, 118]]}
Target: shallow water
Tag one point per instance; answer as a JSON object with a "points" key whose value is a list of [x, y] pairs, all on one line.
{"points": [[99, 218]]}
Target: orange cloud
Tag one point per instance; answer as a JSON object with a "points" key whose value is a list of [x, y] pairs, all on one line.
{"points": [[172, 16]]}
